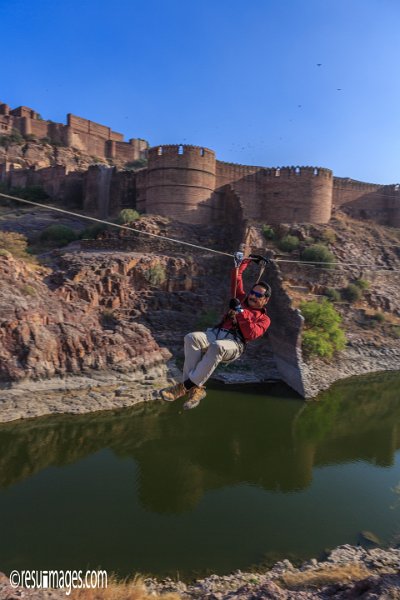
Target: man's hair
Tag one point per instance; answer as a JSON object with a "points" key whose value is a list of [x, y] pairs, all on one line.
{"points": [[266, 286]]}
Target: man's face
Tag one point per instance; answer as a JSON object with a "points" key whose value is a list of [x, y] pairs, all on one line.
{"points": [[254, 300]]}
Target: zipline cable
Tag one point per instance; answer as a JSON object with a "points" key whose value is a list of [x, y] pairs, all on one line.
{"points": [[154, 235], [333, 263], [68, 212]]}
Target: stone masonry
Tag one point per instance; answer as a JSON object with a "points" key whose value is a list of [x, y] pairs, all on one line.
{"points": [[82, 134]]}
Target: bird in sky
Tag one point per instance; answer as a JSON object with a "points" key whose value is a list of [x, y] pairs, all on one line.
{"points": [[319, 64]]}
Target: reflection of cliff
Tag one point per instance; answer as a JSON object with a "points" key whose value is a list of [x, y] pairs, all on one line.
{"points": [[238, 439], [355, 421]]}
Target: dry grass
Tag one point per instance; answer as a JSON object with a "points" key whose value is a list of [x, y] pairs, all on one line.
{"points": [[325, 576], [121, 590]]}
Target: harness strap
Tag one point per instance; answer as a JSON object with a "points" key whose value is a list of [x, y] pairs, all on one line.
{"points": [[236, 331]]}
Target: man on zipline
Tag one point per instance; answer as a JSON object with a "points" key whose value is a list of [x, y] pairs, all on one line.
{"points": [[245, 321]]}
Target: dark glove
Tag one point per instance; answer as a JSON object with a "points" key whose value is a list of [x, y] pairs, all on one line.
{"points": [[257, 258], [234, 304]]}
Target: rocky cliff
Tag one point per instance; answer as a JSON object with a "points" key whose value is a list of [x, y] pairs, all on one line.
{"points": [[52, 330], [101, 313]]}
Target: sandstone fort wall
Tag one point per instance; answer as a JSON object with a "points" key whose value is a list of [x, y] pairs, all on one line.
{"points": [[84, 135], [187, 183], [380, 203], [180, 182]]}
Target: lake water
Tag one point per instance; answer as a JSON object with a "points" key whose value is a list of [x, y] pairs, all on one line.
{"points": [[247, 478]]}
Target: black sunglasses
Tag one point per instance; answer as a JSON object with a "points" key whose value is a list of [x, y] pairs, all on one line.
{"points": [[256, 294]]}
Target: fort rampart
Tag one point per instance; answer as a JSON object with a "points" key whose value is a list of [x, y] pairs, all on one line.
{"points": [[188, 183], [84, 135], [380, 203], [180, 182]]}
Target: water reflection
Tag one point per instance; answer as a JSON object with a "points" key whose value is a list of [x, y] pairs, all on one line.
{"points": [[235, 437]]}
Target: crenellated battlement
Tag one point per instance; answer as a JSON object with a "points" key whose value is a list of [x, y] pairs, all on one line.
{"points": [[285, 171], [346, 182], [181, 156], [180, 149]]}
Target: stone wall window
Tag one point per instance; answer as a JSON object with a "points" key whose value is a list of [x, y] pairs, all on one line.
{"points": [[180, 149], [201, 151], [316, 171], [159, 151], [297, 170], [277, 172]]}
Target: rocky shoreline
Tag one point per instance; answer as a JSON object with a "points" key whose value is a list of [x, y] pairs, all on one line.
{"points": [[356, 360], [101, 390], [347, 572], [110, 390]]}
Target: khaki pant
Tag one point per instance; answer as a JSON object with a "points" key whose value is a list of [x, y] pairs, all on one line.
{"points": [[198, 367]]}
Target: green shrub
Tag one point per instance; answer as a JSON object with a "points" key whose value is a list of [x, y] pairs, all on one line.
{"points": [[370, 323], [91, 232], [28, 290], [362, 284], [15, 137], [318, 253], [395, 330], [288, 243], [32, 192], [379, 317], [322, 334], [352, 293], [328, 235], [156, 275], [133, 165], [333, 295], [16, 245], [268, 232], [58, 233], [127, 215]]}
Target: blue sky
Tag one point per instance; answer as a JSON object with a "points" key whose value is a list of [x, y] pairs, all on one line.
{"points": [[240, 78]]}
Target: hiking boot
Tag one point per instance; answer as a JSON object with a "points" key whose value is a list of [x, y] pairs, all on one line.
{"points": [[174, 392], [196, 394]]}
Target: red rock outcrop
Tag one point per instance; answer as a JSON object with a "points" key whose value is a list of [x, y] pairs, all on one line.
{"points": [[48, 330]]}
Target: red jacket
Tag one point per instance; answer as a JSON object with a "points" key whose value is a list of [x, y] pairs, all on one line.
{"points": [[253, 322]]}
